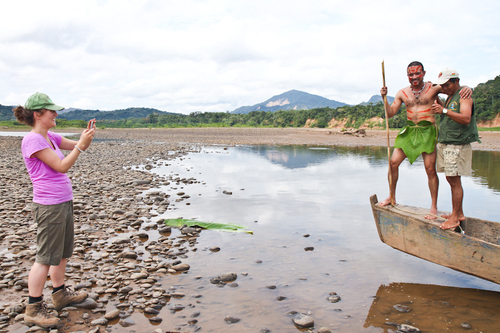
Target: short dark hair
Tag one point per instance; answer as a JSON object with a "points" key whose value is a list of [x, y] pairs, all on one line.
{"points": [[416, 63]]}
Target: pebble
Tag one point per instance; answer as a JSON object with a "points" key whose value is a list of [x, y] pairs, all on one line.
{"points": [[405, 328], [112, 314], [99, 321], [181, 267], [123, 255], [303, 320], [231, 320], [466, 325], [401, 308]]}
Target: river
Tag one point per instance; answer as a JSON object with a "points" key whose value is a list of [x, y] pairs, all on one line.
{"points": [[314, 234]]}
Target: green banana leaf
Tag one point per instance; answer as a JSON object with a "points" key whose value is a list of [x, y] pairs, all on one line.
{"points": [[415, 139], [207, 225]]}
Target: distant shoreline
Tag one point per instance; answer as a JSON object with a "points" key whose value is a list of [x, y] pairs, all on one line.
{"points": [[269, 136]]}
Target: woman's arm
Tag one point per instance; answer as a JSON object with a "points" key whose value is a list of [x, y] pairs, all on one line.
{"points": [[67, 144], [49, 157]]}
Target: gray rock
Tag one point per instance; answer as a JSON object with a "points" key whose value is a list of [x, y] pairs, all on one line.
{"points": [[231, 320], [138, 276], [86, 284], [99, 321], [228, 277], [303, 320], [151, 311], [333, 299], [112, 314], [401, 308], [181, 267], [88, 303], [155, 319], [404, 328], [126, 322]]}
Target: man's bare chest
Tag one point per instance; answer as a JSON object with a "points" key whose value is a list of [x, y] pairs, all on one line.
{"points": [[422, 102]]}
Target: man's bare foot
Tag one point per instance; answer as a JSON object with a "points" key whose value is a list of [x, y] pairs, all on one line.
{"points": [[386, 202], [447, 216], [432, 214], [449, 224]]}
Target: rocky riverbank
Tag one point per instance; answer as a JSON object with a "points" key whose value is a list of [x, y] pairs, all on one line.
{"points": [[114, 260], [107, 202]]}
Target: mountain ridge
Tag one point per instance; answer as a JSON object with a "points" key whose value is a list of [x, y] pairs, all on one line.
{"points": [[291, 100]]}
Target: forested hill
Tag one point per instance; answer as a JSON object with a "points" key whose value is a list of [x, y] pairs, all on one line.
{"points": [[78, 114], [291, 100], [111, 115], [6, 112], [486, 100]]}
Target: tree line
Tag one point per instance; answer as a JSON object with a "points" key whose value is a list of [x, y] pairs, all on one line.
{"points": [[486, 99], [355, 116]]}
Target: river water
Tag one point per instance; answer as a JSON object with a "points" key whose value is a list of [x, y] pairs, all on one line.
{"points": [[298, 197]]}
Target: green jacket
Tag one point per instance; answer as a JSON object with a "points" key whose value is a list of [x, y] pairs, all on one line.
{"points": [[453, 133]]}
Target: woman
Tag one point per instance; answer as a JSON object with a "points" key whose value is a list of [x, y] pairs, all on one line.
{"points": [[52, 205]]}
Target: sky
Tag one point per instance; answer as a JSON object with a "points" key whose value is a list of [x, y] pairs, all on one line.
{"points": [[217, 55]]}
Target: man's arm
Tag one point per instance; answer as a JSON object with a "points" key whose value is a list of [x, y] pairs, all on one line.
{"points": [[394, 107], [465, 91], [465, 111]]}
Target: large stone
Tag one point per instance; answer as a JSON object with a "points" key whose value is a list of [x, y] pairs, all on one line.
{"points": [[181, 267], [303, 320], [112, 314]]}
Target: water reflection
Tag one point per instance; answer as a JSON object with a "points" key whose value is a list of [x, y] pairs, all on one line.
{"points": [[485, 165], [434, 308], [284, 193], [299, 156]]}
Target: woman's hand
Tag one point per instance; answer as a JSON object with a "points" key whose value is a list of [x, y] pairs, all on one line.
{"points": [[86, 138]]}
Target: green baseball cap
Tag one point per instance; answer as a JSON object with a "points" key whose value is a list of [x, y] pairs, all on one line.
{"points": [[41, 101]]}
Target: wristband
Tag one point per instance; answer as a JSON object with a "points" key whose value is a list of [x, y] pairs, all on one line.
{"points": [[81, 151]]}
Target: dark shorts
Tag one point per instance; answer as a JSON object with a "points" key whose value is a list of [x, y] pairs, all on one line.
{"points": [[55, 232]]}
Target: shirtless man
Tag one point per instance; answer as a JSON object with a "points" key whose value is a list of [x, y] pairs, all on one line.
{"points": [[420, 134]]}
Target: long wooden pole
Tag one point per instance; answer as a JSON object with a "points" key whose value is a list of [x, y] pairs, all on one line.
{"points": [[388, 141]]}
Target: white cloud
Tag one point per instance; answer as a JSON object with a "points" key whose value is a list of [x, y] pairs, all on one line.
{"points": [[217, 55]]}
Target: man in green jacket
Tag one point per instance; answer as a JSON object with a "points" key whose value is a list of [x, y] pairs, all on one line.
{"points": [[457, 130]]}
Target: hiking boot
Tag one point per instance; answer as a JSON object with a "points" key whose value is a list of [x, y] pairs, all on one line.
{"points": [[38, 314], [66, 296]]}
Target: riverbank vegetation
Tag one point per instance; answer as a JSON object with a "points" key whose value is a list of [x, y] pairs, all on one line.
{"points": [[486, 99]]}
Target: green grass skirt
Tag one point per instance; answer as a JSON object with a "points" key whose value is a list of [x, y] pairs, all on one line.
{"points": [[416, 139]]}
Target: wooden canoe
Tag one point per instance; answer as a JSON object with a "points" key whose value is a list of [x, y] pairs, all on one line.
{"points": [[475, 252]]}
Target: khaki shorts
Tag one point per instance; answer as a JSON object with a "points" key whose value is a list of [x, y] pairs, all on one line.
{"points": [[55, 233], [454, 160]]}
